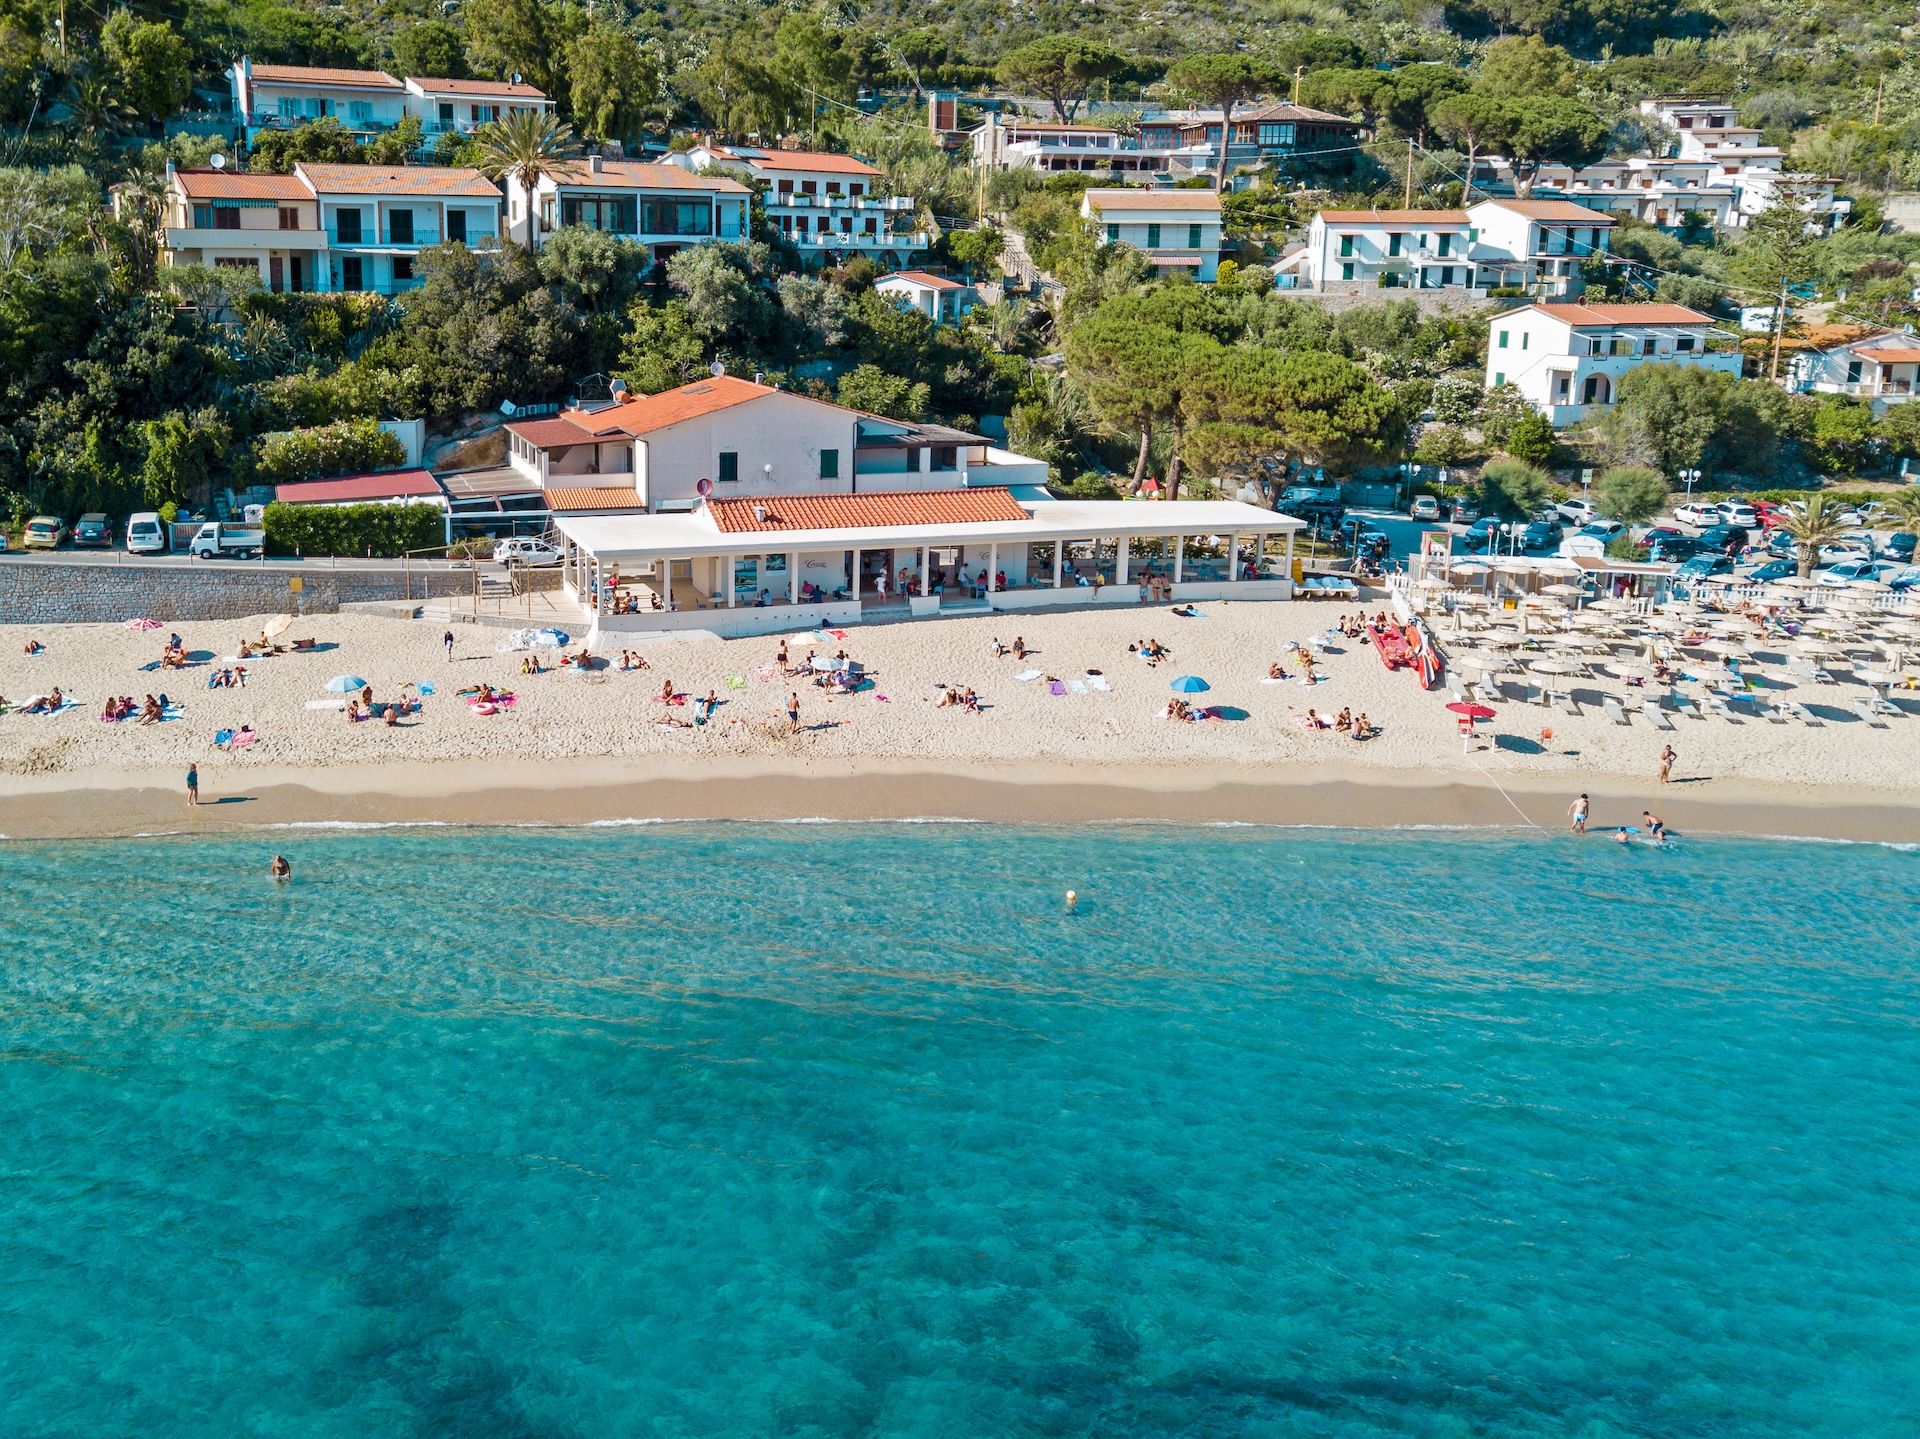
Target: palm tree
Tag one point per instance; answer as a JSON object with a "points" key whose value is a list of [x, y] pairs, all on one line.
{"points": [[527, 146], [1906, 504], [1811, 528], [96, 105]]}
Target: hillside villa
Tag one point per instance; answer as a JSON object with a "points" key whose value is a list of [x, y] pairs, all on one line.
{"points": [[1881, 366], [1531, 244], [1175, 229], [834, 203], [664, 207], [1568, 359], [368, 102]]}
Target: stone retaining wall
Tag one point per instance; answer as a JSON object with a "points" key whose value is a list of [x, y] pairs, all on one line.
{"points": [[41, 593]]}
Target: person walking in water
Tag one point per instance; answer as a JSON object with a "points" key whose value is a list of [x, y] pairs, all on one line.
{"points": [[193, 784], [1578, 809], [1667, 757]]}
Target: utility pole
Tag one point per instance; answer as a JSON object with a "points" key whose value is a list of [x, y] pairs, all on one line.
{"points": [[1878, 95], [1298, 71], [1409, 204]]}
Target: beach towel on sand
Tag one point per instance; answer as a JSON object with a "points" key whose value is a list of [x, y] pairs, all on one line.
{"points": [[1055, 687], [838, 634], [1027, 676], [767, 674], [1079, 687], [1099, 682], [736, 682]]}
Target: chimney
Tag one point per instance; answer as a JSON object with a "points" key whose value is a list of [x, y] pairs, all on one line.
{"points": [[760, 514], [597, 165]]}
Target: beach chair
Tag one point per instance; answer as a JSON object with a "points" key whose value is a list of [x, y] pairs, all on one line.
{"points": [[1800, 712], [1721, 707], [1614, 711], [1459, 695], [1651, 709], [1536, 695], [1766, 709], [1686, 706], [1564, 701], [1485, 692], [1864, 708]]}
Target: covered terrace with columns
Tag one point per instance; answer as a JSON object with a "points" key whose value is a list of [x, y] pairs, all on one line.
{"points": [[738, 567]]}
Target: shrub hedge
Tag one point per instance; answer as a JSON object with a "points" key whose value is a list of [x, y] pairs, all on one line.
{"points": [[346, 448], [386, 530]]}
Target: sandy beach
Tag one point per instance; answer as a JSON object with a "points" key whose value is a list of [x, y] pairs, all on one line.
{"points": [[580, 748]]}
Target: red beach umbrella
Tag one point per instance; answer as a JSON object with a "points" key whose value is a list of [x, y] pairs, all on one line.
{"points": [[1472, 711]]}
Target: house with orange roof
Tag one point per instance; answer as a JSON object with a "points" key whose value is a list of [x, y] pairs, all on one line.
{"points": [[1538, 245], [834, 206], [266, 224], [940, 298], [664, 207], [1567, 360], [1880, 366], [461, 107], [1385, 249], [1175, 229], [282, 97]]}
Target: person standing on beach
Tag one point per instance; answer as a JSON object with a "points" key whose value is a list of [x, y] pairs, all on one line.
{"points": [[793, 712], [1667, 757], [193, 784], [447, 640], [1578, 809]]}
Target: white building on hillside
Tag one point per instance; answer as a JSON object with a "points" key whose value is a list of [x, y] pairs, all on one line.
{"points": [[461, 107], [1882, 366], [1017, 143], [1175, 229], [940, 299], [327, 227], [835, 204], [282, 97], [1391, 249], [1567, 360], [664, 207], [1537, 244]]}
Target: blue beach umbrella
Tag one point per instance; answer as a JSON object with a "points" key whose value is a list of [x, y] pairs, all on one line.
{"points": [[345, 684], [1189, 685]]}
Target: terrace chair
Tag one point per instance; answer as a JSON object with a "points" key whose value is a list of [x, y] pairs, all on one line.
{"points": [[1800, 712], [1864, 708], [1686, 706], [1614, 711], [1564, 701], [1651, 709]]}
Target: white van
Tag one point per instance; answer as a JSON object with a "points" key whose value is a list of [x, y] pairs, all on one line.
{"points": [[145, 534]]}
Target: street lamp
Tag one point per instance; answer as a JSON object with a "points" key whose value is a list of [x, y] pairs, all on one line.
{"points": [[1691, 478]]}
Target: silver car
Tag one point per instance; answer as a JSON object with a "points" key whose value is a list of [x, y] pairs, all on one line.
{"points": [[522, 551]]}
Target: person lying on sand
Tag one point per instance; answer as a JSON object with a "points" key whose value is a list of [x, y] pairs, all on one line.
{"points": [[999, 650], [970, 702], [33, 647]]}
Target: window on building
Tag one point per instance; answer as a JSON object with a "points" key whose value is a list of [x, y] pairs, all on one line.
{"points": [[729, 466], [360, 112], [352, 277], [347, 222], [1193, 237], [1853, 372], [1113, 233], [809, 187], [871, 227], [833, 187], [1684, 344], [1503, 339], [1525, 336], [319, 109], [289, 108], [1346, 246], [403, 267], [289, 218], [457, 225], [855, 189], [446, 114], [1446, 246], [1446, 274], [400, 227], [203, 217], [944, 457], [1153, 237], [1499, 377], [1346, 271], [1650, 346], [1393, 242], [1275, 136], [829, 464], [226, 217]]}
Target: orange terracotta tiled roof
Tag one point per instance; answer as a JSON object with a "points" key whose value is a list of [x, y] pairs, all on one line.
{"points": [[399, 180], [311, 75], [578, 499], [862, 512], [921, 277], [504, 88], [797, 160], [1581, 316], [631, 175], [645, 413], [553, 430], [231, 185], [1153, 200], [1395, 217]]}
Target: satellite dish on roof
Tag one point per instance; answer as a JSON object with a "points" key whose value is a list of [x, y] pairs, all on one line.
{"points": [[703, 487], [716, 369], [219, 162]]}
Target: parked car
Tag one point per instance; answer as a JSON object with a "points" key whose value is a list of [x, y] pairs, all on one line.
{"points": [[1602, 530], [1671, 549], [94, 531], [1906, 579], [1899, 546], [1738, 512], [1769, 513], [145, 534], [1705, 567], [1847, 571], [1782, 545], [1773, 570], [1424, 507], [1542, 535], [44, 532], [1464, 513], [1847, 547], [1728, 539], [525, 551], [1576, 512], [1698, 515]]}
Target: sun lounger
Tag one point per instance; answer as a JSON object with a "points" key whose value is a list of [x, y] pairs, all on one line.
{"points": [[1686, 706], [1651, 709], [1720, 707], [1766, 709], [1485, 692], [1864, 709], [1800, 712], [1536, 695], [1614, 711], [1564, 701]]}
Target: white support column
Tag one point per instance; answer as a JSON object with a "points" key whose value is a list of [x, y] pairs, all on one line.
{"points": [[856, 577], [993, 567], [1289, 555], [793, 577], [1059, 548], [1179, 556], [1233, 559], [926, 574], [726, 567]]}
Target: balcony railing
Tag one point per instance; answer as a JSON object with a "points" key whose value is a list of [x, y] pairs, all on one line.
{"points": [[422, 235]]}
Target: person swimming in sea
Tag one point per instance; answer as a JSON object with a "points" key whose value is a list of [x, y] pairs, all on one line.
{"points": [[280, 868]]}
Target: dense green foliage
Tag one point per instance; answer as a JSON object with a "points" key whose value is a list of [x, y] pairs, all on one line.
{"points": [[385, 531], [343, 448]]}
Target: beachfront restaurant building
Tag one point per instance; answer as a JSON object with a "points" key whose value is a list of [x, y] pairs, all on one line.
{"points": [[741, 567]]}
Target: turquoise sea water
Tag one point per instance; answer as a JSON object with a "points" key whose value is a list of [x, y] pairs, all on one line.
{"points": [[694, 1130]]}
